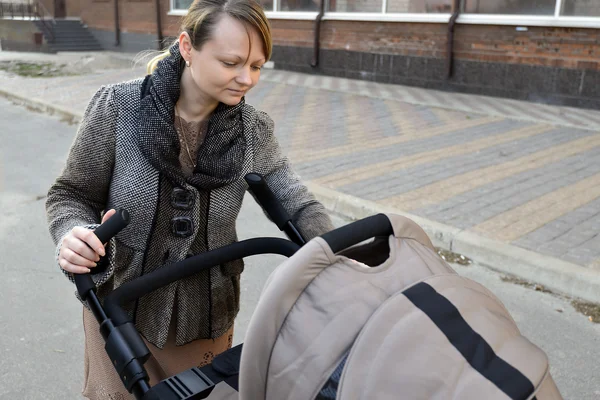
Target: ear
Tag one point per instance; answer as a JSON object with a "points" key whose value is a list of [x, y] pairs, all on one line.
{"points": [[185, 46]]}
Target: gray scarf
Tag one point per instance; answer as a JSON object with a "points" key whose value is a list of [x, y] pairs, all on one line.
{"points": [[220, 157]]}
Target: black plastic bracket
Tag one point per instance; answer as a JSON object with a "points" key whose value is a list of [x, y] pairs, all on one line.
{"points": [[187, 385], [135, 341], [127, 359]]}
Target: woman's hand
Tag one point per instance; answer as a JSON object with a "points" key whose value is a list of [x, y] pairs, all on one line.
{"points": [[81, 249]]}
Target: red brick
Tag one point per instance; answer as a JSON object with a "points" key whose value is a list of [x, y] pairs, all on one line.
{"points": [[566, 47]]}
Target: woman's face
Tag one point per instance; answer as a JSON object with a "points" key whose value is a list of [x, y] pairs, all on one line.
{"points": [[228, 65]]}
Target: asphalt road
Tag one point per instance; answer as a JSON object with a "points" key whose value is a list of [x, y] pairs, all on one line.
{"points": [[41, 338]]}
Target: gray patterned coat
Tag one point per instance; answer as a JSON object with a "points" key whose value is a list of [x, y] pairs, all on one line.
{"points": [[105, 169]]}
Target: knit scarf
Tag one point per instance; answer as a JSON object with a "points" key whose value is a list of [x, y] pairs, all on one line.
{"points": [[220, 157]]}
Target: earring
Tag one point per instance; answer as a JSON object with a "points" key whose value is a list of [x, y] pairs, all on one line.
{"points": [[187, 63]]}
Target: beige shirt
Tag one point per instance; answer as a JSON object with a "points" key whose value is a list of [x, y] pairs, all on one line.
{"points": [[191, 136]]}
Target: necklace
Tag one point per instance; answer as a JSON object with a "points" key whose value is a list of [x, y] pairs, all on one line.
{"points": [[184, 134]]}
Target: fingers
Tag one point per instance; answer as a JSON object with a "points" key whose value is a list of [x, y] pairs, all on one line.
{"points": [[87, 237], [75, 259], [108, 214], [77, 254], [75, 269]]}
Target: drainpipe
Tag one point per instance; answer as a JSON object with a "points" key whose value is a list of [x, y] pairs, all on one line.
{"points": [[158, 26], [117, 28], [316, 48], [451, 24]]}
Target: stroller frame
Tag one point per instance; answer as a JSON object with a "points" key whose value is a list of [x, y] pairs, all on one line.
{"points": [[125, 346]]}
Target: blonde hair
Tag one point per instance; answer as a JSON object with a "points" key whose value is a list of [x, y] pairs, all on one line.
{"points": [[204, 14]]}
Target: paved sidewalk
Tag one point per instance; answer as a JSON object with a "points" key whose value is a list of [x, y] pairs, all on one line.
{"points": [[512, 184]]}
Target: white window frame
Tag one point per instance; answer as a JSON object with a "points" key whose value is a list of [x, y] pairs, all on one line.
{"points": [[530, 20], [555, 20], [297, 15], [388, 17], [175, 11]]}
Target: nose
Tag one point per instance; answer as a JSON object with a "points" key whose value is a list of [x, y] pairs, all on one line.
{"points": [[244, 77]]}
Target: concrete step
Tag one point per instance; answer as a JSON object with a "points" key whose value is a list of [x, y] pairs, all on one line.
{"points": [[84, 47], [70, 35]]}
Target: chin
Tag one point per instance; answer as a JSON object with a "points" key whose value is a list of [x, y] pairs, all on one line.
{"points": [[231, 100]]}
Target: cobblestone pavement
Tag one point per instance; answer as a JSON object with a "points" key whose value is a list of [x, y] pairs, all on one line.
{"points": [[521, 173]]}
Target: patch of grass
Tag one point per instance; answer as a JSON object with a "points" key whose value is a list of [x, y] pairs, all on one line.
{"points": [[522, 282], [35, 69], [69, 120], [590, 310], [454, 258]]}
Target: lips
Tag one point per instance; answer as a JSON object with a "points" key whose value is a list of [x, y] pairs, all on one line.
{"points": [[238, 92]]}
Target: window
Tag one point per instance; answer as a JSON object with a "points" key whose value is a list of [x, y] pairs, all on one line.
{"points": [[182, 4], [565, 13], [419, 6], [267, 5], [581, 8], [299, 5], [393, 6], [365, 6], [510, 7]]}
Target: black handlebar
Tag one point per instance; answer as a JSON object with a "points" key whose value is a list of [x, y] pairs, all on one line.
{"points": [[358, 231], [104, 232], [163, 276], [124, 345], [258, 187]]}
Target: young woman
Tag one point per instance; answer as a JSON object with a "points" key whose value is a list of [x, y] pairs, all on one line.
{"points": [[173, 150]]}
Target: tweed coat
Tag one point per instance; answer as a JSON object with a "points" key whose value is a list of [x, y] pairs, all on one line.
{"points": [[106, 169]]}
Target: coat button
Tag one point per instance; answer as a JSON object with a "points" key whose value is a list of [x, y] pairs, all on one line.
{"points": [[182, 226], [182, 199]]}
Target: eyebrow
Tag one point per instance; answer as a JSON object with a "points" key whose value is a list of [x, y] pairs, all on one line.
{"points": [[239, 58]]}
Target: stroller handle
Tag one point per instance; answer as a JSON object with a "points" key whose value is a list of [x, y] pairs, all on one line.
{"points": [[137, 383], [257, 186], [163, 276], [125, 346], [104, 232], [358, 231]]}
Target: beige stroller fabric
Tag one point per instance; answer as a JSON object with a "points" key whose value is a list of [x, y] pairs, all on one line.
{"points": [[395, 319]]}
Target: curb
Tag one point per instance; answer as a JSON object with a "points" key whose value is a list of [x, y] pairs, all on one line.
{"points": [[43, 106], [560, 276]]}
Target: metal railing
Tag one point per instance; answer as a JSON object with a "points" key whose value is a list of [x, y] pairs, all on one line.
{"points": [[32, 9]]}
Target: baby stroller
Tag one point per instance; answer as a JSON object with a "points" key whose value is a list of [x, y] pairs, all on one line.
{"points": [[366, 311]]}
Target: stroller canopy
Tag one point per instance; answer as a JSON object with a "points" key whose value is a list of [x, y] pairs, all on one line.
{"points": [[385, 319]]}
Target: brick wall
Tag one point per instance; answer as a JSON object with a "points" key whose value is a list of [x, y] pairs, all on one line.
{"points": [[135, 16], [49, 5], [559, 47], [73, 8], [554, 47], [388, 38], [551, 65], [555, 65], [19, 35]]}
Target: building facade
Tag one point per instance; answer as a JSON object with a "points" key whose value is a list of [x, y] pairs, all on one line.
{"points": [[540, 50]]}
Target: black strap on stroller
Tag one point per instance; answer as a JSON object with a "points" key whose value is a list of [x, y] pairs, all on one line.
{"points": [[124, 345]]}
